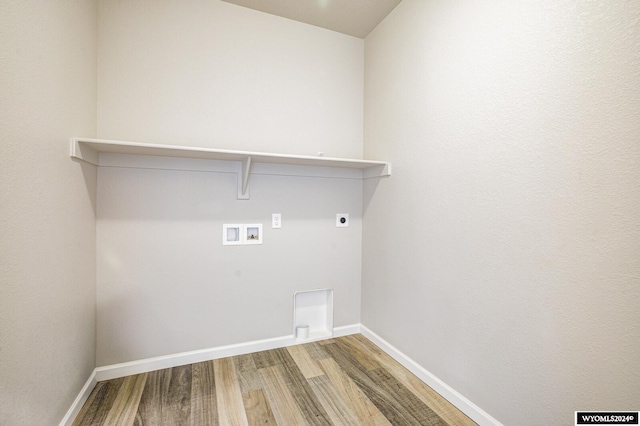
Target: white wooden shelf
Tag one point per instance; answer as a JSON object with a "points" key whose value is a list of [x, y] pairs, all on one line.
{"points": [[91, 150]]}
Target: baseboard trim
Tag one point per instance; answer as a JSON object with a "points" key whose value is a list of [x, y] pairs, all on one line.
{"points": [[156, 363], [174, 360], [346, 330], [82, 397], [124, 369], [474, 412]]}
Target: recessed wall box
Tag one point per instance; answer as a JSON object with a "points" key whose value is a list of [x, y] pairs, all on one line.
{"points": [[252, 233], [231, 234], [313, 310]]}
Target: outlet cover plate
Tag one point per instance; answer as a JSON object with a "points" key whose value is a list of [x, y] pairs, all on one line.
{"points": [[276, 221], [342, 220]]}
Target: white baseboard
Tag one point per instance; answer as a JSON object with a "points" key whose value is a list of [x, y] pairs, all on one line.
{"points": [[474, 412], [183, 358], [150, 364], [82, 397], [115, 371], [346, 330]]}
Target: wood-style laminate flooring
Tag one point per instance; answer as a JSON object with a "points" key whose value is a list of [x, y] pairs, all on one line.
{"points": [[342, 381]]}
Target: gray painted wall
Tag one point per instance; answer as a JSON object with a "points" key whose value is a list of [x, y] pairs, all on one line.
{"points": [[218, 75]]}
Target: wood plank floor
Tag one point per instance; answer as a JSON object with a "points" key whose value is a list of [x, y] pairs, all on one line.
{"points": [[342, 381]]}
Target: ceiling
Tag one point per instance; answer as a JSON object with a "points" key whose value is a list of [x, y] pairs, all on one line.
{"points": [[353, 17]]}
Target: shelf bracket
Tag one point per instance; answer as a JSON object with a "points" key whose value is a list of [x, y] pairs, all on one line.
{"points": [[84, 153], [243, 179], [382, 170]]}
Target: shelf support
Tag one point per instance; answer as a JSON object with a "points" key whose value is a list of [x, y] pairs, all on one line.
{"points": [[378, 171], [84, 153], [243, 179]]}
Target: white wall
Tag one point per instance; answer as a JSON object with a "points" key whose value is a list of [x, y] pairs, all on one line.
{"points": [[213, 74], [210, 73], [504, 254], [47, 222]]}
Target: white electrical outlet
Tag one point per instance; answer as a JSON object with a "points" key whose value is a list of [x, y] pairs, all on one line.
{"points": [[342, 220], [276, 220]]}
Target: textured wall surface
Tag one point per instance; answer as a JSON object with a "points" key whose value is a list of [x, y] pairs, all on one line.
{"points": [[214, 74], [47, 218], [209, 73], [166, 284], [504, 253]]}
